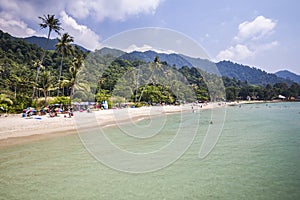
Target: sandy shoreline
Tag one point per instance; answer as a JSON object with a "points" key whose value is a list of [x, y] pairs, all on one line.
{"points": [[17, 130]]}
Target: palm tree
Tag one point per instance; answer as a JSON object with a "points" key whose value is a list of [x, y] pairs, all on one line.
{"points": [[153, 68], [75, 68], [64, 48], [46, 83], [5, 101], [53, 24]]}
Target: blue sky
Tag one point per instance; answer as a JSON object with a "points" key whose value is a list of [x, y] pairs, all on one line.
{"points": [[263, 34]]}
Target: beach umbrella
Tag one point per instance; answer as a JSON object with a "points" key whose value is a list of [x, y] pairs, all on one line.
{"points": [[58, 109], [31, 109]]}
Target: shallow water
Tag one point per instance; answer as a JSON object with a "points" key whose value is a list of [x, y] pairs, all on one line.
{"points": [[256, 157]]}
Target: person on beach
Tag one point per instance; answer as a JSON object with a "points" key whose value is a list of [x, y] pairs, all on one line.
{"points": [[70, 112]]}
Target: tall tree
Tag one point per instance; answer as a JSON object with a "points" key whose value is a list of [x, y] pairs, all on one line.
{"points": [[75, 68], [154, 68], [46, 83], [52, 24], [64, 47]]}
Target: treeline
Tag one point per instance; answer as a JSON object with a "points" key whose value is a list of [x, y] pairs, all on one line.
{"points": [[164, 89], [252, 75], [238, 90], [32, 76], [29, 74]]}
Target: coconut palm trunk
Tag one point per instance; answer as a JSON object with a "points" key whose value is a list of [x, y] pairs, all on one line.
{"points": [[153, 68], [53, 24], [64, 47]]}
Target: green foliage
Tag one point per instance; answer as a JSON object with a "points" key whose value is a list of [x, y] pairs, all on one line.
{"points": [[102, 95], [140, 104], [5, 103], [196, 78], [252, 75], [61, 100], [156, 94], [102, 75]]}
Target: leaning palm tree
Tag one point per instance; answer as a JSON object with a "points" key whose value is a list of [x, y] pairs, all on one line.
{"points": [[64, 47], [52, 24]]}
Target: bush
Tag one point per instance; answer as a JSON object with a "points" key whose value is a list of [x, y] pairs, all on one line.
{"points": [[60, 100]]}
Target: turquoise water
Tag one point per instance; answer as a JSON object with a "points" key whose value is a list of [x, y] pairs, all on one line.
{"points": [[256, 157]]}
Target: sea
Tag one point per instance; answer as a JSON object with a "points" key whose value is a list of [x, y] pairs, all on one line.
{"points": [[255, 155]]}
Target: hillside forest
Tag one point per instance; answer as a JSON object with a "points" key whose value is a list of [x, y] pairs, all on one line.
{"points": [[31, 76]]}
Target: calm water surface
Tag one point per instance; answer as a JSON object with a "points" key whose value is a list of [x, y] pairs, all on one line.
{"points": [[256, 157]]}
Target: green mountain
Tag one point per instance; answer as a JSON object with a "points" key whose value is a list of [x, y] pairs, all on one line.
{"points": [[41, 42], [288, 75], [252, 75], [107, 71], [16, 50], [229, 69]]}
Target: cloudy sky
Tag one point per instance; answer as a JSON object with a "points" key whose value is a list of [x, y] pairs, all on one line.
{"points": [[259, 33]]}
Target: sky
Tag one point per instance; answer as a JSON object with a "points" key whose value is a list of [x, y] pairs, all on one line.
{"points": [[259, 33]]}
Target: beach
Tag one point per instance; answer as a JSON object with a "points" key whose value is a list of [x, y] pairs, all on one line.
{"points": [[17, 130]]}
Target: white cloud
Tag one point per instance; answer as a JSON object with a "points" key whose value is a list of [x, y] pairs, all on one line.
{"points": [[20, 17], [255, 29], [238, 52], [241, 52], [250, 40], [113, 9], [15, 26], [266, 46], [146, 47], [79, 9], [82, 34]]}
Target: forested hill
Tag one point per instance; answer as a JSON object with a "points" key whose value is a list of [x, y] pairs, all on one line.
{"points": [[288, 75], [99, 75], [147, 56], [240, 72], [15, 50], [250, 74], [41, 42], [19, 50]]}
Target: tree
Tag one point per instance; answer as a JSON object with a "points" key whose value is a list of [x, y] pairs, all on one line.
{"points": [[154, 71], [294, 90], [53, 24], [75, 68], [231, 93], [46, 83], [5, 102], [268, 92], [282, 88], [64, 48]]}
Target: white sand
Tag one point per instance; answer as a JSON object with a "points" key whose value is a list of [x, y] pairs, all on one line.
{"points": [[14, 129]]}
